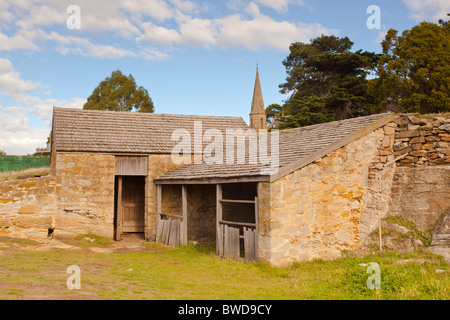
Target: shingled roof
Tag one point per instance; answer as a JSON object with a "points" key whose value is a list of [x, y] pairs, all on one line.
{"points": [[297, 148], [77, 130]]}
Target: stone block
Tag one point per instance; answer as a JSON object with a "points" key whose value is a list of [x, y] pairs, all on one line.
{"points": [[407, 134], [419, 153], [388, 130], [418, 140], [385, 152], [432, 138], [399, 146], [37, 222], [413, 126], [416, 120], [386, 142], [29, 209], [417, 146], [403, 151]]}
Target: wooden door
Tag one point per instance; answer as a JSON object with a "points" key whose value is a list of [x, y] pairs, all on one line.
{"points": [[133, 204]]}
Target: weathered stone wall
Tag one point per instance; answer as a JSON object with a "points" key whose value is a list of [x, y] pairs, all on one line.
{"points": [[201, 213], [85, 187], [420, 194], [424, 141], [27, 207], [201, 209], [317, 211]]}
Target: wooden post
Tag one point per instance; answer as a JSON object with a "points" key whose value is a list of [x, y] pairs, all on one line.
{"points": [[219, 235], [158, 203], [184, 211], [256, 227], [379, 236], [119, 209]]}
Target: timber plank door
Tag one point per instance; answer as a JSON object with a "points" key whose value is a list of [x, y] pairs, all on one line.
{"points": [[131, 205]]}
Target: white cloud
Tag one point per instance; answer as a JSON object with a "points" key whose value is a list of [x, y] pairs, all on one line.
{"points": [[280, 6], [157, 9], [11, 83], [152, 22], [265, 32], [277, 5], [16, 42], [258, 32], [185, 5], [198, 32], [16, 135], [430, 10], [253, 9], [158, 35]]}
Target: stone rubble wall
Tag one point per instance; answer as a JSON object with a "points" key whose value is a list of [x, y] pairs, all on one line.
{"points": [[79, 199], [420, 194], [29, 208], [423, 141]]}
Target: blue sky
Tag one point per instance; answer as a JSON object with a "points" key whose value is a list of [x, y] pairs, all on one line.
{"points": [[194, 57]]}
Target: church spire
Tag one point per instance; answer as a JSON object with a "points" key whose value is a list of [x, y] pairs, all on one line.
{"points": [[257, 113]]}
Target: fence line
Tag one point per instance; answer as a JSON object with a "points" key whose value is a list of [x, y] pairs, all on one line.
{"points": [[19, 163]]}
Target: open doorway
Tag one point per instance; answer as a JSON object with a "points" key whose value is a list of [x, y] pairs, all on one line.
{"points": [[129, 206]]}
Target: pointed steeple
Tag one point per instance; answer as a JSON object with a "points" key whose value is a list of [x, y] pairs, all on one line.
{"points": [[257, 113]]}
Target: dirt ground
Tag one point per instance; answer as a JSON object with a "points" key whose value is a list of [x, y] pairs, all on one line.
{"points": [[31, 270]]}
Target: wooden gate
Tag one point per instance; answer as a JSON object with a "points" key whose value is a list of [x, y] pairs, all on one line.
{"points": [[235, 239], [169, 229]]}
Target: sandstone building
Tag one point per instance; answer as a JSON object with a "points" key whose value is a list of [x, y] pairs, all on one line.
{"points": [[116, 173]]}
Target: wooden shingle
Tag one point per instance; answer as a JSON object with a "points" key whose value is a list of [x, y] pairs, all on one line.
{"points": [[77, 130], [297, 147]]}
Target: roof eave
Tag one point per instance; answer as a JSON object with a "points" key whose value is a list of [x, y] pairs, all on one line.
{"points": [[214, 180]]}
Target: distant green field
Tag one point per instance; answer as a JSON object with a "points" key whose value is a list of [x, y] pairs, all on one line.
{"points": [[18, 163]]}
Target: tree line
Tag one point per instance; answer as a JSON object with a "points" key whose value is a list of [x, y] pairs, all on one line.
{"points": [[327, 81]]}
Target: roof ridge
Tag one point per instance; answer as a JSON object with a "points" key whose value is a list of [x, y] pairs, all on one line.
{"points": [[335, 121], [143, 113]]}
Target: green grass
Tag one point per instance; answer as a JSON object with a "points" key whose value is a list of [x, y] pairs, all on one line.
{"points": [[414, 232], [12, 175], [195, 272], [99, 241]]}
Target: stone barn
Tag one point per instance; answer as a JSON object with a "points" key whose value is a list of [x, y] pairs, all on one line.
{"points": [[328, 192], [310, 192], [105, 164]]}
